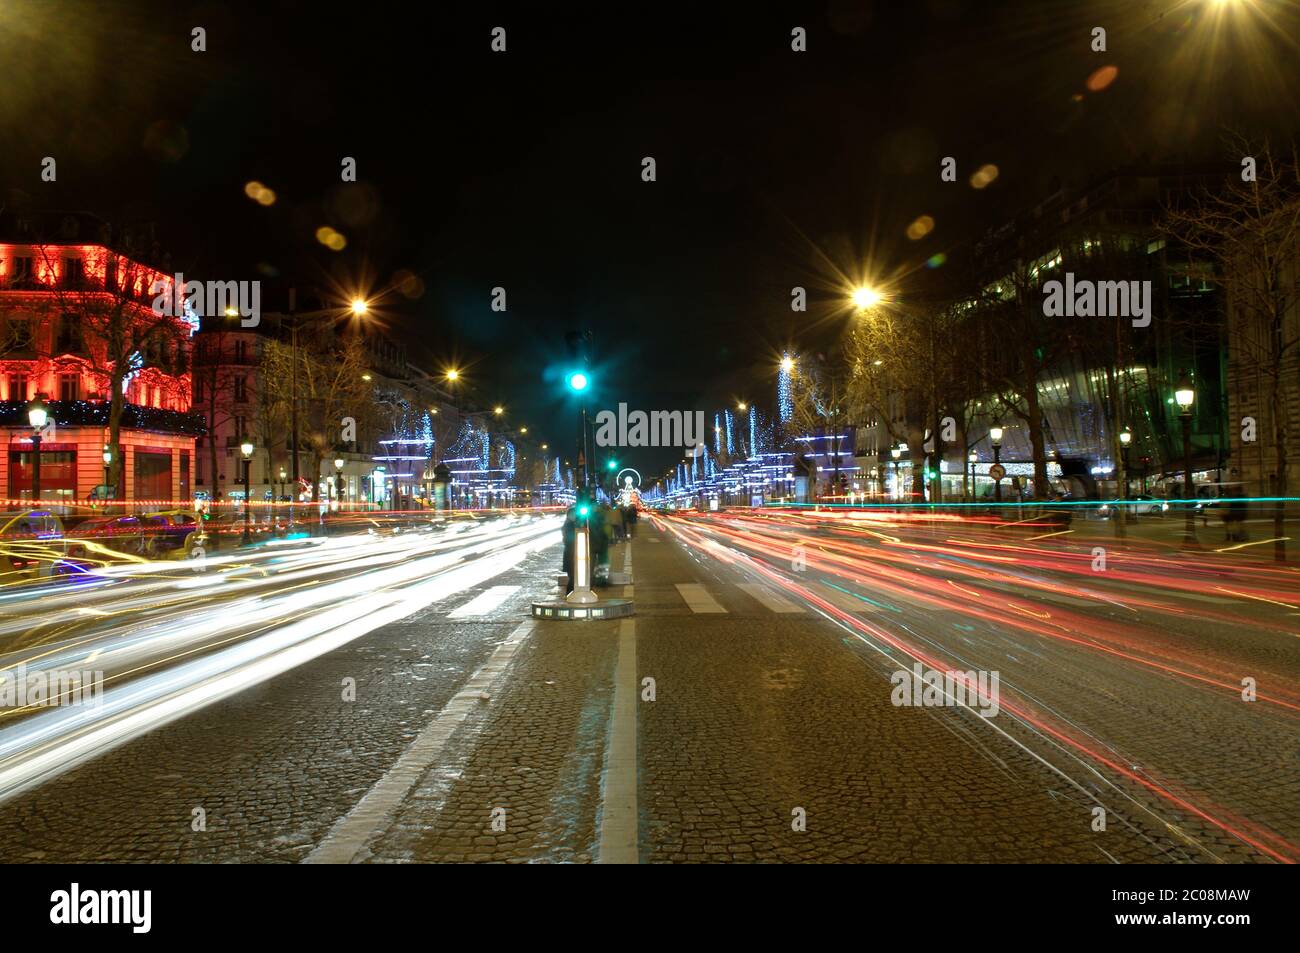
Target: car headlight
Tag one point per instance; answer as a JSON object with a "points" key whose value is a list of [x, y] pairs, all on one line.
{"points": [[1164, 506]]}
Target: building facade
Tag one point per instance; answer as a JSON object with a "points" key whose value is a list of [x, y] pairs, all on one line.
{"points": [[77, 322]]}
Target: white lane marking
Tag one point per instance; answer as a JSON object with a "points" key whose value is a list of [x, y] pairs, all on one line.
{"points": [[627, 559], [372, 815], [698, 598], [770, 599], [484, 603], [842, 600], [618, 819]]}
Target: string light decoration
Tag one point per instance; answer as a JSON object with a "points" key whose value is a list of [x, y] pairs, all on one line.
{"points": [[784, 389]]}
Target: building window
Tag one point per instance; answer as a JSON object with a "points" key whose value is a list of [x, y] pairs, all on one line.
{"points": [[69, 339], [70, 386], [153, 475], [241, 351], [58, 475], [74, 272], [241, 389], [20, 334], [17, 386]]}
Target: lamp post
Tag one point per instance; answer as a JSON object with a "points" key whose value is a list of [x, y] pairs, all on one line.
{"points": [[338, 480], [896, 453], [1185, 396], [283, 477], [38, 415], [108, 462], [246, 449], [974, 459], [1125, 440], [995, 438]]}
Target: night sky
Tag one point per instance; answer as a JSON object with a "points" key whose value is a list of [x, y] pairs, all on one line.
{"points": [[522, 169]]}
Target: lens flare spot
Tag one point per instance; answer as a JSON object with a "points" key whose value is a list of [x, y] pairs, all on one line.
{"points": [[1102, 78], [983, 176], [923, 226]]}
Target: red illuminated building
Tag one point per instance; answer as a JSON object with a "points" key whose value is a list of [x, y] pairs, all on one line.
{"points": [[73, 317]]}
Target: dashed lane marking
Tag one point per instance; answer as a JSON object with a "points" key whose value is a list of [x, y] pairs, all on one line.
{"points": [[698, 598], [770, 599], [484, 603]]}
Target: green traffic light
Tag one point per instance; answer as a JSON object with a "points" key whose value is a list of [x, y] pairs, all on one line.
{"points": [[611, 465], [584, 510]]}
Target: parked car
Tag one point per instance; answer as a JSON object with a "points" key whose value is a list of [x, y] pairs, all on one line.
{"points": [[150, 535], [1141, 504], [32, 545]]}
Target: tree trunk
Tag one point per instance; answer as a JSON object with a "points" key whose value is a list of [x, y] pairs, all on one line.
{"points": [[116, 401], [1280, 434], [1034, 418]]}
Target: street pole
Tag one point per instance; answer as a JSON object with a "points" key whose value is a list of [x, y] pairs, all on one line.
{"points": [[293, 399], [248, 501], [36, 470], [1189, 519], [997, 484]]}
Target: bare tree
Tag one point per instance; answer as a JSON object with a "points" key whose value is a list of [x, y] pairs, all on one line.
{"points": [[1251, 229], [121, 336]]}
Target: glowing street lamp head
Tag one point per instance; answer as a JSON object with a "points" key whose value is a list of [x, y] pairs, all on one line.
{"points": [[578, 381], [742, 406], [1185, 395], [498, 411], [359, 307], [453, 375], [38, 412], [787, 364], [246, 448], [995, 435], [865, 297], [1125, 437]]}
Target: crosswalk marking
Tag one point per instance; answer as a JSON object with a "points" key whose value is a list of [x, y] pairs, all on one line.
{"points": [[698, 598], [770, 599], [484, 603]]}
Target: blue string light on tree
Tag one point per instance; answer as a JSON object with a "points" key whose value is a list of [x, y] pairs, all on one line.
{"points": [[784, 388]]}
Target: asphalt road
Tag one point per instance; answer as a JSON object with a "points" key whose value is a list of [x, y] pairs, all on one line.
{"points": [[746, 713]]}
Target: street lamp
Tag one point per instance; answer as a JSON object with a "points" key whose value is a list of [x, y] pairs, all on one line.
{"points": [[974, 459], [1185, 396], [246, 448], [1125, 440], [995, 438], [283, 477], [108, 462], [896, 453], [38, 415], [865, 297], [338, 479], [359, 307]]}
